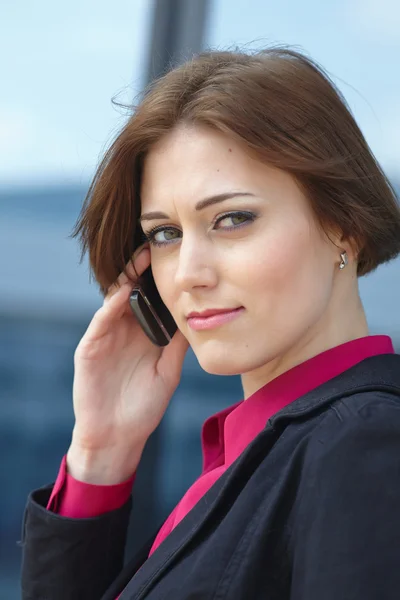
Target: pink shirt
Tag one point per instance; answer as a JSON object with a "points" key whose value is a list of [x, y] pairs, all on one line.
{"points": [[224, 435]]}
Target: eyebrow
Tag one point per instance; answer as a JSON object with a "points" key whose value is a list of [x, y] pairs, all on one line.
{"points": [[199, 206]]}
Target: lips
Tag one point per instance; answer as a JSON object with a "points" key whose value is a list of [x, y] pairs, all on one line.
{"points": [[213, 319], [210, 312]]}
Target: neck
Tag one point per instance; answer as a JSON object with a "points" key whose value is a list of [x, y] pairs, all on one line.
{"points": [[333, 329]]}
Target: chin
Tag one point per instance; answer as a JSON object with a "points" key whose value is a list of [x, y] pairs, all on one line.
{"points": [[221, 360]]}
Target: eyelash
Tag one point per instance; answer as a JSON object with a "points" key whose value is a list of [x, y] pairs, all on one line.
{"points": [[150, 235]]}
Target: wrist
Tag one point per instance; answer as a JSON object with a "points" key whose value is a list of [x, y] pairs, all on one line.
{"points": [[102, 466]]}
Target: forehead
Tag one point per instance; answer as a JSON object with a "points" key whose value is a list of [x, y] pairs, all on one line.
{"points": [[195, 162], [191, 163], [185, 143]]}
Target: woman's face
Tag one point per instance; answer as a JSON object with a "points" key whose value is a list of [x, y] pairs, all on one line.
{"points": [[260, 250]]}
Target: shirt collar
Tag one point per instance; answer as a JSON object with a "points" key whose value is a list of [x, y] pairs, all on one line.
{"points": [[227, 433]]}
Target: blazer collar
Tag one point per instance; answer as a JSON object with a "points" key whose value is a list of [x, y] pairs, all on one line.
{"points": [[247, 420], [380, 373]]}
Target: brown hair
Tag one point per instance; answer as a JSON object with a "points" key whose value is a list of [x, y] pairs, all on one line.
{"points": [[282, 107]]}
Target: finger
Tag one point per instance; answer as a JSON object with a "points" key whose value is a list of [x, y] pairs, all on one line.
{"points": [[134, 268], [140, 262], [113, 309]]}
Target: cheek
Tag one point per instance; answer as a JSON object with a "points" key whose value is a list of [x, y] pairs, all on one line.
{"points": [[163, 272], [267, 261], [287, 275]]}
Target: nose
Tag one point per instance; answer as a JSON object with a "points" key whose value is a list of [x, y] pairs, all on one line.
{"points": [[196, 265]]}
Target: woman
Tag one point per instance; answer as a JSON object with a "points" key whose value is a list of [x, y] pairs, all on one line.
{"points": [[259, 199]]}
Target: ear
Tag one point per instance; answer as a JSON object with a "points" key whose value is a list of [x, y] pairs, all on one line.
{"points": [[340, 243], [351, 246]]}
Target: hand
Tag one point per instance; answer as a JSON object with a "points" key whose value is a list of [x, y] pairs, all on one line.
{"points": [[122, 386]]}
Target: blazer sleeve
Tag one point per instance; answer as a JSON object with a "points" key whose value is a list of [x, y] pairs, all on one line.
{"points": [[66, 558], [346, 536]]}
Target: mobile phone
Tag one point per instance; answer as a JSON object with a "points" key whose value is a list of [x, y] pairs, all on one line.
{"points": [[150, 311]]}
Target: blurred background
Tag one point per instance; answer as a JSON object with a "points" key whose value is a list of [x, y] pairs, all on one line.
{"points": [[61, 64]]}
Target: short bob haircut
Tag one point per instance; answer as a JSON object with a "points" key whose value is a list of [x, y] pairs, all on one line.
{"points": [[279, 105]]}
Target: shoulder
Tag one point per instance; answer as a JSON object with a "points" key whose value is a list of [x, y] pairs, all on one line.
{"points": [[360, 417], [345, 519], [357, 442]]}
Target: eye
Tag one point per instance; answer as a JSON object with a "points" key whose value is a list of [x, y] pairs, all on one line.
{"points": [[160, 236], [237, 219], [163, 235]]}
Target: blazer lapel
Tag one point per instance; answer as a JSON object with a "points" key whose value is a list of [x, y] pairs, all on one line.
{"points": [[129, 570], [206, 508]]}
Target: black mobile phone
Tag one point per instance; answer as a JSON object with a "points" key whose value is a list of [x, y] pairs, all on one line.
{"points": [[151, 312]]}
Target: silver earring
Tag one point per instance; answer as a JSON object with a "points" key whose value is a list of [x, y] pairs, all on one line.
{"points": [[344, 261]]}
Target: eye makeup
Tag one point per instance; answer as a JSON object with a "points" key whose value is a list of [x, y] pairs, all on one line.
{"points": [[151, 234]]}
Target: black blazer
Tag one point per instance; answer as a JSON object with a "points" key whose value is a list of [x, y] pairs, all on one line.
{"points": [[309, 511]]}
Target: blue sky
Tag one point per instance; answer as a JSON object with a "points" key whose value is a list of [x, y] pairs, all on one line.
{"points": [[63, 62]]}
